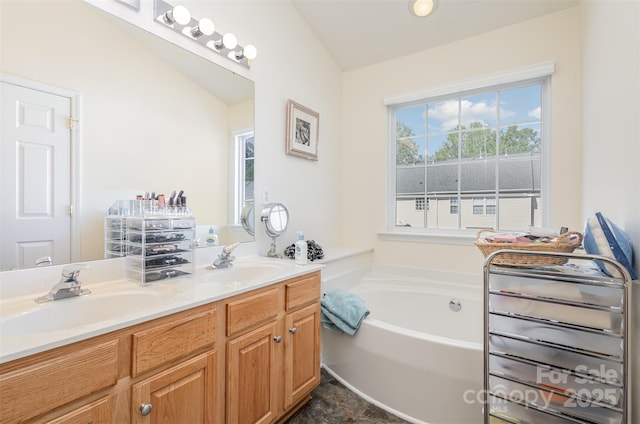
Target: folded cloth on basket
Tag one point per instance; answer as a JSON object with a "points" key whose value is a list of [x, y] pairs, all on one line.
{"points": [[342, 311]]}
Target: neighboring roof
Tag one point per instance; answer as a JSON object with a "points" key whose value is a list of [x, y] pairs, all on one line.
{"points": [[518, 173]]}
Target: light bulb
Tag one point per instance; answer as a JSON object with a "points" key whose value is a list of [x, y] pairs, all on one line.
{"points": [[228, 41], [250, 52], [179, 14], [421, 8], [204, 27]]}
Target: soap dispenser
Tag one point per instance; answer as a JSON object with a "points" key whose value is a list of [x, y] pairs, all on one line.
{"points": [[300, 255], [212, 238]]}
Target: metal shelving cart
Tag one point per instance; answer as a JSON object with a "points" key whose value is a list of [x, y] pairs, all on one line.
{"points": [[556, 341]]}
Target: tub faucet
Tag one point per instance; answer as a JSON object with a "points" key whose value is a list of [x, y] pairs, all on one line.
{"points": [[68, 286], [224, 259]]}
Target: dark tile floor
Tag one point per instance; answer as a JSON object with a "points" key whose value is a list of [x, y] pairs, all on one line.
{"points": [[332, 403]]}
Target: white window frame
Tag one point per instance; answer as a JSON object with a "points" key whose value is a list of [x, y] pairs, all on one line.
{"points": [[464, 236], [238, 161]]}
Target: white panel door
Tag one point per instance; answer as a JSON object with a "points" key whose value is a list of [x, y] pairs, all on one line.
{"points": [[35, 158]]}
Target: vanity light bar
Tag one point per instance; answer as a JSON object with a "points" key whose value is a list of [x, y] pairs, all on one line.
{"points": [[202, 31]]}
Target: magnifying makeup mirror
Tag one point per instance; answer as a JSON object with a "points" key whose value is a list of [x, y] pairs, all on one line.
{"points": [[247, 219], [275, 218]]}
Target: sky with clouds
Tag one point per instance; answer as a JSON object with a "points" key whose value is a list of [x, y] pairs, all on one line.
{"points": [[517, 106]]}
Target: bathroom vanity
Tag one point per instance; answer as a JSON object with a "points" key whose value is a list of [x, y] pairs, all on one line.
{"points": [[250, 357]]}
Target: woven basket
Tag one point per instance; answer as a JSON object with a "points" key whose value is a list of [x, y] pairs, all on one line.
{"points": [[562, 244]]}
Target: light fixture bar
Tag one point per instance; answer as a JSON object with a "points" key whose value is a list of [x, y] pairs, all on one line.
{"points": [[201, 31]]}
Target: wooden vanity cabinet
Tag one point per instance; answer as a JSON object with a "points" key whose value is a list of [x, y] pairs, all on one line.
{"points": [[269, 363], [273, 351], [99, 411], [185, 392], [71, 375], [106, 378], [182, 394]]}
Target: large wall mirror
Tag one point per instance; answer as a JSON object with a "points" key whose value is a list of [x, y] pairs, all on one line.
{"points": [[153, 117]]}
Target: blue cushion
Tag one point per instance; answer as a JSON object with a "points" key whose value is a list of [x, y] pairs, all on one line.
{"points": [[602, 237]]}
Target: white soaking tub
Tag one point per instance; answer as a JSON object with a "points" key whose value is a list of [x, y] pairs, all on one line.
{"points": [[414, 355]]}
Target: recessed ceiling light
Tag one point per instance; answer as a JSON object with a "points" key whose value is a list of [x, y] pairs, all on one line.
{"points": [[421, 8]]}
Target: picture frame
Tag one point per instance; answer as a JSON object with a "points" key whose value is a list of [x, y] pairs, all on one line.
{"points": [[302, 131]]}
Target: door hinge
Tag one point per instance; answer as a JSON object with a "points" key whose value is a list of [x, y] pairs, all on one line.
{"points": [[70, 210], [72, 122]]}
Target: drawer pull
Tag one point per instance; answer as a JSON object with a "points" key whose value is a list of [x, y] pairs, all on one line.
{"points": [[277, 339], [145, 409], [293, 330]]}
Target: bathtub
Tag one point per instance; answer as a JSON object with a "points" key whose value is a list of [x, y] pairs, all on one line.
{"points": [[413, 356]]}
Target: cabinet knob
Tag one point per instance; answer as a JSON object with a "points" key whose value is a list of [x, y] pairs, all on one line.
{"points": [[277, 339], [293, 330], [145, 409]]}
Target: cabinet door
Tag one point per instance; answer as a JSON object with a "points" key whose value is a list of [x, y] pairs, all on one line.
{"points": [[252, 372], [302, 353], [182, 394], [95, 412]]}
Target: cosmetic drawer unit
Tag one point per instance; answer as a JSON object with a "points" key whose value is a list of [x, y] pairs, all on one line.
{"points": [[115, 236], [159, 247], [556, 343]]}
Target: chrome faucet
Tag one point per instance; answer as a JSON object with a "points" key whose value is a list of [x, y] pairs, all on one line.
{"points": [[43, 261], [224, 259], [68, 286]]}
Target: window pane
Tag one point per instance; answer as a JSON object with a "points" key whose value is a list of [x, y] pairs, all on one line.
{"points": [[479, 143], [407, 214], [248, 148], [521, 104], [443, 116], [472, 213], [519, 173], [479, 110], [410, 151], [442, 147], [517, 212], [410, 121], [445, 147], [478, 176], [248, 170], [519, 139]]}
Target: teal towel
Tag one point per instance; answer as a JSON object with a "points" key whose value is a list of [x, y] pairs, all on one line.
{"points": [[342, 311]]}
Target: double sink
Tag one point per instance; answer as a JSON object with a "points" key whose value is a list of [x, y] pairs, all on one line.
{"points": [[120, 303]]}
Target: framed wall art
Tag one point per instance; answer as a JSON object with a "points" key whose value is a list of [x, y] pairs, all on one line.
{"points": [[302, 131]]}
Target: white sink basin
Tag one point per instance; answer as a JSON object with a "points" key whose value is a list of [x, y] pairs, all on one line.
{"points": [[29, 317]]}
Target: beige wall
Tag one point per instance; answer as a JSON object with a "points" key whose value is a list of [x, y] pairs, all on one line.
{"points": [[554, 37], [291, 64], [611, 114]]}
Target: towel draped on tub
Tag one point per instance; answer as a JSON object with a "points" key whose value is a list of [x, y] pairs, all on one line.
{"points": [[342, 311]]}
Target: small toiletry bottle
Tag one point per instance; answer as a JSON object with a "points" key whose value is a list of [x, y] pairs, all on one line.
{"points": [[301, 249], [212, 238]]}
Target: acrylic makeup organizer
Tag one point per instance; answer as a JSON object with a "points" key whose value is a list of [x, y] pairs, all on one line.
{"points": [[160, 247], [157, 240], [556, 342]]}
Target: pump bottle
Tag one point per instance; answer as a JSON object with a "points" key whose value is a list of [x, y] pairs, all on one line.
{"points": [[300, 255], [212, 238]]}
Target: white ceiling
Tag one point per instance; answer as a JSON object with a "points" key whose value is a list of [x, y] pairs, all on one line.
{"points": [[363, 32]]}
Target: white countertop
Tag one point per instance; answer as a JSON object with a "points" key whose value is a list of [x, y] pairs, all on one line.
{"points": [[178, 294]]}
